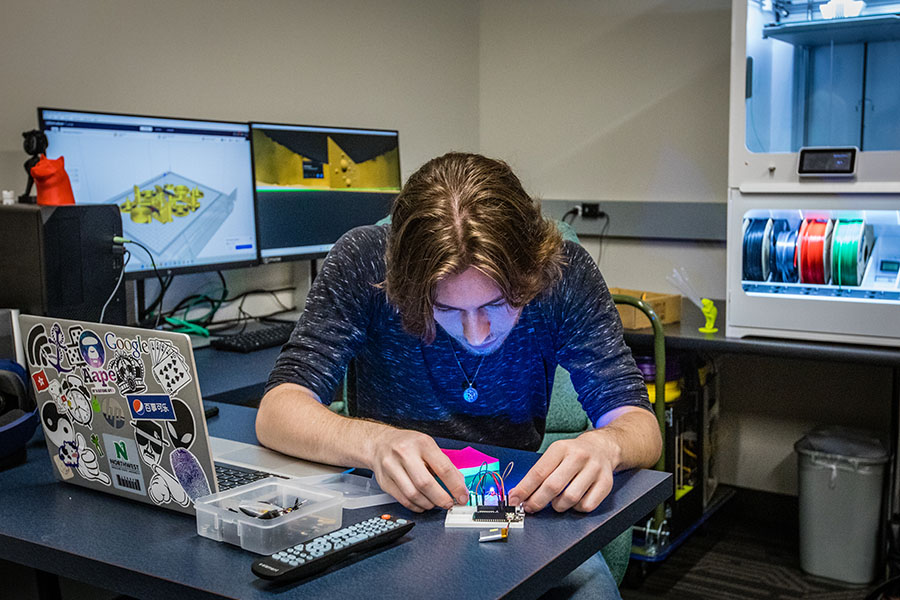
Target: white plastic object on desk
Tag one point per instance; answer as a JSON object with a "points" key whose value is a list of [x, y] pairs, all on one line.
{"points": [[219, 517], [9, 197], [358, 491], [463, 517]]}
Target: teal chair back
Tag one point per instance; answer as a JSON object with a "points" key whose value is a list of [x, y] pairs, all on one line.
{"points": [[566, 419]]}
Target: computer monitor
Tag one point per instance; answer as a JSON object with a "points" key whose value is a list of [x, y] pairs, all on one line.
{"points": [[313, 184], [184, 187]]}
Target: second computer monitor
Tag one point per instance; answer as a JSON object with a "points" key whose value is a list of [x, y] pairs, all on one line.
{"points": [[313, 184]]}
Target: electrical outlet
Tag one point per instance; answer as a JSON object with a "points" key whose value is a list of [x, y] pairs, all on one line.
{"points": [[590, 210]]}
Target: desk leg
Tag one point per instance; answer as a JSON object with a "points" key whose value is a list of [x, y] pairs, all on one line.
{"points": [[891, 543], [893, 487], [47, 585]]}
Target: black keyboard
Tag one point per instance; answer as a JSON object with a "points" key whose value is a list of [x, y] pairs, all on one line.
{"points": [[269, 336], [230, 476]]}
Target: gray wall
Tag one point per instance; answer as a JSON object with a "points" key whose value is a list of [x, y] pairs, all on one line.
{"points": [[612, 100], [394, 64], [627, 100]]}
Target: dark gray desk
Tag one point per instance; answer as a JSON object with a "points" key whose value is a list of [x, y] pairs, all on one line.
{"points": [[234, 377], [146, 552]]}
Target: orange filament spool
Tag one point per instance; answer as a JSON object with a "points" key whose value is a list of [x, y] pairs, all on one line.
{"points": [[812, 245]]}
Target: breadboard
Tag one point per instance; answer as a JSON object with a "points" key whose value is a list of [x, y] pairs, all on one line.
{"points": [[461, 517]]}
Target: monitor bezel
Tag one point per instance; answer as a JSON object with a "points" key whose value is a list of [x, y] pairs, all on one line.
{"points": [[304, 255], [170, 271]]}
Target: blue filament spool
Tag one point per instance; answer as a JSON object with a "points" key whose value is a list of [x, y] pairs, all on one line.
{"points": [[753, 260]]}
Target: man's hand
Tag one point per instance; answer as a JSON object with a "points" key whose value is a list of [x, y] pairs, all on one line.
{"points": [[571, 473], [579, 473], [403, 462], [292, 420]]}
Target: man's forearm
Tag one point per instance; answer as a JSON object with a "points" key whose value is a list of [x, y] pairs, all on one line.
{"points": [[634, 435], [291, 420]]}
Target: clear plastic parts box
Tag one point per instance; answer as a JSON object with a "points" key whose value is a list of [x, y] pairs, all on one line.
{"points": [[358, 491], [220, 518]]}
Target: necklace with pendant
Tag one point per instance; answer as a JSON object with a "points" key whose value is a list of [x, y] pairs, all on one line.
{"points": [[470, 394]]}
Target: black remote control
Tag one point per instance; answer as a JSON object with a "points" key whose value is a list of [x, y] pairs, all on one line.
{"points": [[317, 554]]}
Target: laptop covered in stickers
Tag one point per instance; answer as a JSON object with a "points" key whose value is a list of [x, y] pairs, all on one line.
{"points": [[122, 413]]}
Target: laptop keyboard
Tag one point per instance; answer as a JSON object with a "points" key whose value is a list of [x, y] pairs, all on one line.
{"points": [[230, 476]]}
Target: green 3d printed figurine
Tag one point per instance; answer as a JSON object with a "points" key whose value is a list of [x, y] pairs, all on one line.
{"points": [[709, 311]]}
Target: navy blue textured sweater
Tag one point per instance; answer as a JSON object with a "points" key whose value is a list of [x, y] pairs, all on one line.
{"points": [[406, 383]]}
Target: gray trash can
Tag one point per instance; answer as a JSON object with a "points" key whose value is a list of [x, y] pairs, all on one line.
{"points": [[841, 473]]}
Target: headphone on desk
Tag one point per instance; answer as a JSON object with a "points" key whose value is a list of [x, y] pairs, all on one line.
{"points": [[18, 411]]}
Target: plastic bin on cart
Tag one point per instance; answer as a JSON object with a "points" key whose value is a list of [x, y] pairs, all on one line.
{"points": [[841, 478]]}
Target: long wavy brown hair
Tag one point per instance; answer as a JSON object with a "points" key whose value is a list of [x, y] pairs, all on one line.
{"points": [[466, 210]]}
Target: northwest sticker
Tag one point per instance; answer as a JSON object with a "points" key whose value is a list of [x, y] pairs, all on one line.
{"points": [[124, 465], [157, 407]]}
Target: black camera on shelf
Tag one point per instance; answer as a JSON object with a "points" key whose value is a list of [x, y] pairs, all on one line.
{"points": [[35, 145]]}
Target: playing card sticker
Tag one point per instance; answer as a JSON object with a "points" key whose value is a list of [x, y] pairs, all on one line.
{"points": [[169, 367]]}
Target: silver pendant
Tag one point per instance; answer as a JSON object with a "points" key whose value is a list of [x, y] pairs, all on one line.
{"points": [[470, 394]]}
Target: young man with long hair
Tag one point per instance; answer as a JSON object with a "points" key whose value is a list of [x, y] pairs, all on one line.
{"points": [[457, 314]]}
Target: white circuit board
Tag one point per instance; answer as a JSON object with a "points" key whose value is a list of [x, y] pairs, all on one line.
{"points": [[461, 516]]}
